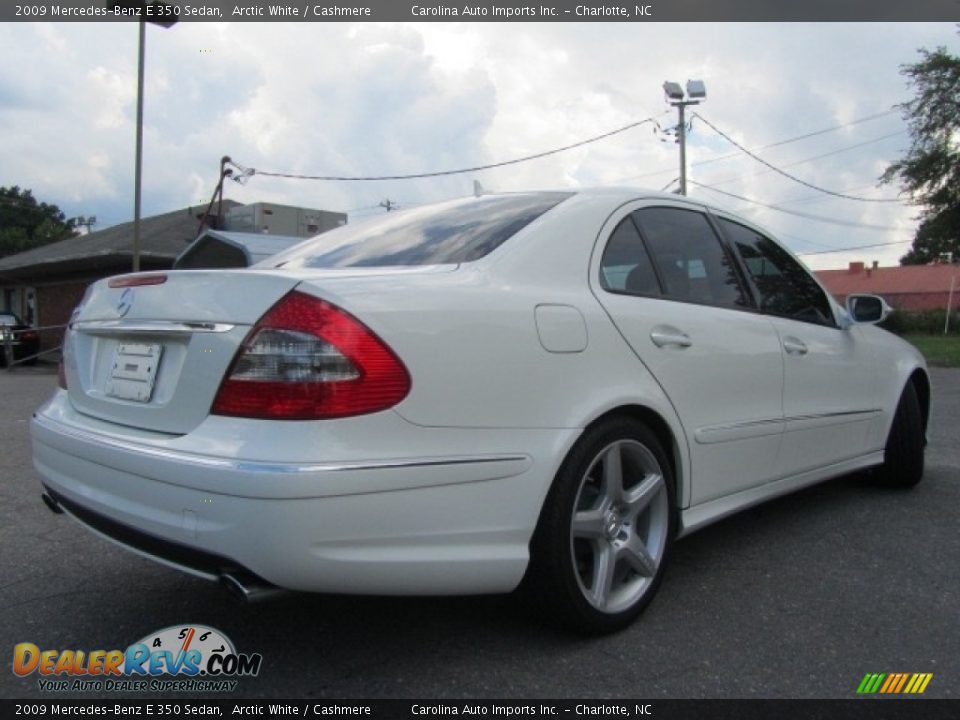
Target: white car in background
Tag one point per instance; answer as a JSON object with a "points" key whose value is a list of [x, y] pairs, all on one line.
{"points": [[536, 389]]}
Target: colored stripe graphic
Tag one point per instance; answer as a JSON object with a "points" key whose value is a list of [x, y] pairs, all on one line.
{"points": [[894, 683], [921, 682], [870, 683]]}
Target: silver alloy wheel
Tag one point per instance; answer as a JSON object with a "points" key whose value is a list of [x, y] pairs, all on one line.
{"points": [[618, 532]]}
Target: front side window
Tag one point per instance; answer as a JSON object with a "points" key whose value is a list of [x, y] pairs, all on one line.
{"points": [[689, 257], [449, 233], [785, 288]]}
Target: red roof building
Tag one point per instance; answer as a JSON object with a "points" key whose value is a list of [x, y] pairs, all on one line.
{"points": [[908, 287]]}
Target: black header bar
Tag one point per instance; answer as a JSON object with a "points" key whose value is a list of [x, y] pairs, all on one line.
{"points": [[483, 11]]}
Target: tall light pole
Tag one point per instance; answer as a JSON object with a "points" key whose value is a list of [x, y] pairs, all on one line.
{"points": [[696, 92], [155, 9], [138, 163]]}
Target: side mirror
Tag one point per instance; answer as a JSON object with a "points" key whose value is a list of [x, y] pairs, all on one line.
{"points": [[868, 309]]}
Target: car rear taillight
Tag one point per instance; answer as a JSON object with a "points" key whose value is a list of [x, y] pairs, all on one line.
{"points": [[307, 360]]}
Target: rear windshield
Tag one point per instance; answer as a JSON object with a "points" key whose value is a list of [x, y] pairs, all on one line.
{"points": [[452, 232], [6, 319]]}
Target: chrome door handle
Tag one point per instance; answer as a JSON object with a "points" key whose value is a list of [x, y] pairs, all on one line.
{"points": [[677, 338], [794, 346]]}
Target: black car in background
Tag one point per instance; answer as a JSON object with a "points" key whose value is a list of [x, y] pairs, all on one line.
{"points": [[24, 340]]}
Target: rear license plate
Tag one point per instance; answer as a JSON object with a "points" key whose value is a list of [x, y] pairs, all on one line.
{"points": [[134, 371]]}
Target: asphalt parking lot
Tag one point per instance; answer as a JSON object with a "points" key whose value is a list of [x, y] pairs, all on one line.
{"points": [[798, 598]]}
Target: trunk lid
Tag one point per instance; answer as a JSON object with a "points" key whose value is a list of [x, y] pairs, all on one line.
{"points": [[153, 356]]}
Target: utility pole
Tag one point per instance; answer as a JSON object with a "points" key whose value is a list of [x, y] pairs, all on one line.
{"points": [[388, 204], [696, 92]]}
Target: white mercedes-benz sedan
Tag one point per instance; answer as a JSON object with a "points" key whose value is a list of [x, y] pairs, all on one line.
{"points": [[537, 390]]}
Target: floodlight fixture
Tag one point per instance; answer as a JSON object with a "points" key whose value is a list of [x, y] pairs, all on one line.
{"points": [[696, 90], [673, 90]]}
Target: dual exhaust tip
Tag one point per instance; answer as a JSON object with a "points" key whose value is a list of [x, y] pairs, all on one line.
{"points": [[52, 504], [246, 588], [242, 585]]}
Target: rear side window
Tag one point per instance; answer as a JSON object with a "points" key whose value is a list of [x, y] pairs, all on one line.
{"points": [[626, 265], [785, 288], [453, 232], [689, 257]]}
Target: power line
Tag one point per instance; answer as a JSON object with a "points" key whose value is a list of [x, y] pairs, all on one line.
{"points": [[815, 133], [787, 141], [809, 199], [788, 236], [248, 172], [856, 247], [786, 174], [838, 151], [807, 216]]}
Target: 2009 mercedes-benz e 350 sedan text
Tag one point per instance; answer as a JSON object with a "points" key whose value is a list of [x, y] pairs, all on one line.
{"points": [[539, 390]]}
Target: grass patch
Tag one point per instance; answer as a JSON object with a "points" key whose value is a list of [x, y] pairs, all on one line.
{"points": [[939, 350]]}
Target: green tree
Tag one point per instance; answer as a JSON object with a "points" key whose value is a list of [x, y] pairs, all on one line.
{"points": [[26, 223], [930, 171]]}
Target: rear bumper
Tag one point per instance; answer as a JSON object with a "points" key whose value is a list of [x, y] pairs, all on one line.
{"points": [[456, 524]]}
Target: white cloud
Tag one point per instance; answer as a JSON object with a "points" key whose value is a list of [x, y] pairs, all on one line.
{"points": [[371, 99]]}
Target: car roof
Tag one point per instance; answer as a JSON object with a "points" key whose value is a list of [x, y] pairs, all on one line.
{"points": [[622, 193]]}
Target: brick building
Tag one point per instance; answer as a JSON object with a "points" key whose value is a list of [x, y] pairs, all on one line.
{"points": [[44, 284], [907, 287]]}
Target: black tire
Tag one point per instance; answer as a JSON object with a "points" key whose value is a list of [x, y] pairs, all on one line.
{"points": [[903, 457], [598, 577]]}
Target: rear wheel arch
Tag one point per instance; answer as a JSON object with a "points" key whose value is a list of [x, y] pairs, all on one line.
{"points": [[602, 540], [659, 426]]}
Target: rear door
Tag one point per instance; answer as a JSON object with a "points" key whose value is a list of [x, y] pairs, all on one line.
{"points": [[674, 292]]}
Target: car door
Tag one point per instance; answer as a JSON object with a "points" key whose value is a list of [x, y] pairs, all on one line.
{"points": [[675, 293], [829, 398]]}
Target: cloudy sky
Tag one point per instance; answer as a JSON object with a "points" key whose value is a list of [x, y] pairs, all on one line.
{"points": [[376, 99]]}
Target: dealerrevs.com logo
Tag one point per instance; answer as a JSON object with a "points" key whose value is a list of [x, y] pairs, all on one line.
{"points": [[187, 658]]}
